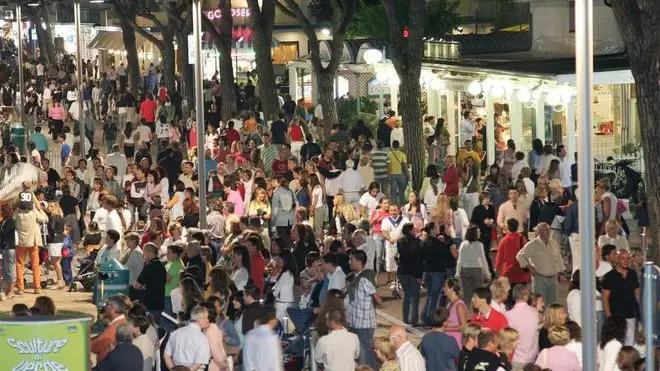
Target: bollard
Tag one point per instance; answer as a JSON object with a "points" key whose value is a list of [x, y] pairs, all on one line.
{"points": [[650, 282], [312, 351]]}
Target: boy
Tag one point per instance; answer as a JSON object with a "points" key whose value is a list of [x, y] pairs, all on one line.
{"points": [[439, 349]]}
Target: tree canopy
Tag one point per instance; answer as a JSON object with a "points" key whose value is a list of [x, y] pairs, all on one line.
{"points": [[371, 20]]}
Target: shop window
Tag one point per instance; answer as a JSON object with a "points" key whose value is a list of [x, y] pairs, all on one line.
{"points": [[285, 52]]}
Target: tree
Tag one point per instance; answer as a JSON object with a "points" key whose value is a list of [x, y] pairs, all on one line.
{"points": [[638, 22], [39, 17], [126, 10], [262, 19], [340, 17], [222, 37]]}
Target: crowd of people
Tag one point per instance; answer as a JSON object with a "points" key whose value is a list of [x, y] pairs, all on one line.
{"points": [[304, 225]]}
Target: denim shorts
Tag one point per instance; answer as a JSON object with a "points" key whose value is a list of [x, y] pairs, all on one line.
{"points": [[9, 265]]}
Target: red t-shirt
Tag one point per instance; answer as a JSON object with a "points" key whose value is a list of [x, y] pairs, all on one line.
{"points": [[148, 110], [280, 167], [494, 321], [257, 269], [296, 134], [233, 135], [506, 263], [451, 180]]}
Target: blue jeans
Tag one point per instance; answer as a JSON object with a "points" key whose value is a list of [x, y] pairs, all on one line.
{"points": [[398, 189], [67, 274], [411, 293], [434, 282], [366, 339]]}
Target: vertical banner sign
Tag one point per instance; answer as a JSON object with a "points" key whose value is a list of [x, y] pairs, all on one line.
{"points": [[30, 344]]}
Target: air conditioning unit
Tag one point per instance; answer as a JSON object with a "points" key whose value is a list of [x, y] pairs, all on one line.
{"points": [[8, 14]]}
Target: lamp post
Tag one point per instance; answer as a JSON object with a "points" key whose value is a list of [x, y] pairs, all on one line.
{"points": [[584, 78], [21, 82], [199, 110], [79, 73]]}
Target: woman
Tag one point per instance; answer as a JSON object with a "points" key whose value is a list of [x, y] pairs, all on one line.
{"points": [[260, 206], [343, 212], [240, 267], [458, 317], [507, 344], [500, 290], [173, 267], [612, 337], [376, 220], [612, 237], [176, 203], [296, 137], [8, 251], [317, 206], [558, 357], [191, 214], [131, 137], [94, 201], [45, 306], [219, 360], [409, 272], [483, 216], [472, 266], [438, 257], [431, 185], [385, 351], [283, 287], [605, 207], [508, 159], [415, 211], [71, 211], [57, 114], [154, 188], [111, 249], [442, 214], [553, 170], [555, 315], [470, 177], [55, 240], [542, 210], [191, 294], [334, 300], [575, 339]]}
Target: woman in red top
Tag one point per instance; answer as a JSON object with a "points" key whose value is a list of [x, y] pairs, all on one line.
{"points": [[296, 138], [506, 264], [376, 220]]}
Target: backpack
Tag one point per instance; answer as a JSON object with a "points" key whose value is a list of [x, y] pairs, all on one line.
{"points": [[84, 190]]}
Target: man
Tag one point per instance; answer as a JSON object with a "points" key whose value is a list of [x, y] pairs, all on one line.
{"points": [[40, 141], [262, 350], [468, 128], [525, 319], [379, 160], [506, 263], [280, 165], [332, 270], [361, 310], [542, 257], [621, 294], [278, 129], [517, 166], [450, 177], [407, 355], [338, 350], [268, 153], [123, 77], [194, 254], [118, 160], [114, 312], [52, 174], [512, 209], [571, 228], [252, 309], [309, 150], [485, 357], [608, 259], [152, 280], [188, 346], [398, 171], [439, 349], [361, 241], [467, 152], [564, 169], [148, 110], [484, 314], [125, 356], [370, 201], [351, 184]]}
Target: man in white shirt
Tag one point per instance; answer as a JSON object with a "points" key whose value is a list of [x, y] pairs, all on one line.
{"points": [[564, 168], [407, 355], [112, 220], [361, 239], [517, 166], [336, 276], [546, 159], [370, 200], [391, 229], [468, 128], [351, 184], [117, 160], [188, 346], [338, 350], [262, 350]]}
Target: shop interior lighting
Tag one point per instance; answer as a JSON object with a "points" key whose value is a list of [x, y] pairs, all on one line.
{"points": [[325, 31], [372, 56], [33, 4], [96, 1], [524, 95], [475, 88], [497, 91], [553, 98], [437, 84]]}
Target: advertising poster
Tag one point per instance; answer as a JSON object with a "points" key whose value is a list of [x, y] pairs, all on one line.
{"points": [[37, 343]]}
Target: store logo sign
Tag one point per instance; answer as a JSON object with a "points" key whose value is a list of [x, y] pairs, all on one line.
{"points": [[36, 353], [235, 13]]}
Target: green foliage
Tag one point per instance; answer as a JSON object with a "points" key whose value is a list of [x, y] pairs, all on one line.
{"points": [[346, 111], [371, 21], [320, 10]]}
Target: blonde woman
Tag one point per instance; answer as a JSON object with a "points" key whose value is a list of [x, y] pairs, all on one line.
{"points": [[343, 212], [500, 289], [260, 207], [386, 353], [508, 341], [55, 240], [558, 357], [611, 236], [442, 214], [555, 315]]}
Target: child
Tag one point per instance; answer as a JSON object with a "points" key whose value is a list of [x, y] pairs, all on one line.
{"points": [[439, 349], [67, 257], [470, 334]]}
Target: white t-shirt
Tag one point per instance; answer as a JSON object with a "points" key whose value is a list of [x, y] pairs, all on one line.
{"points": [[370, 202], [317, 193], [350, 181], [162, 130], [145, 133], [40, 69]]}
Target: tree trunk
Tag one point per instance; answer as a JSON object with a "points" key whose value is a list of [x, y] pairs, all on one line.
{"points": [[410, 107], [638, 23], [326, 85], [168, 59], [187, 72], [133, 63], [227, 85], [266, 72], [44, 35]]}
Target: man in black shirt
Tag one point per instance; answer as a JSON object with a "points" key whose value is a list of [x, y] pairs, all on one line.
{"points": [[53, 176], [309, 150], [194, 253], [484, 357], [252, 310], [152, 279], [278, 129], [621, 294]]}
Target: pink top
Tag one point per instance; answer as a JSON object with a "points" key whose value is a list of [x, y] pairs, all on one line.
{"points": [[175, 135], [235, 198], [56, 113], [376, 219], [558, 358], [525, 319], [454, 321], [218, 356]]}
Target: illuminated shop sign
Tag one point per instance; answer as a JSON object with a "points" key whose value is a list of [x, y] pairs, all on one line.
{"points": [[235, 13]]}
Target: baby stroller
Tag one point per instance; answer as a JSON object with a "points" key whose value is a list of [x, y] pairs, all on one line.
{"points": [[86, 273], [44, 266], [296, 347]]}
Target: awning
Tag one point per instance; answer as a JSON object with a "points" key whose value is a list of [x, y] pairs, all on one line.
{"points": [[113, 40]]}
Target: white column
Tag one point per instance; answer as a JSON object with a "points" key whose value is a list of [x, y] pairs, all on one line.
{"points": [[293, 82], [515, 108], [540, 118], [490, 129], [571, 137], [315, 89], [394, 98], [433, 102], [451, 121]]}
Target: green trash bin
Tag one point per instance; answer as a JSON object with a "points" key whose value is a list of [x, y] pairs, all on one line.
{"points": [[112, 279], [17, 136]]}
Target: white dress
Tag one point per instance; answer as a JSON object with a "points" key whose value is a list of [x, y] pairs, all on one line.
{"points": [[394, 230], [177, 209]]}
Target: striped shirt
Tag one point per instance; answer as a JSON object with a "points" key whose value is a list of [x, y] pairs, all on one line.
{"points": [[268, 155], [379, 160], [409, 358]]}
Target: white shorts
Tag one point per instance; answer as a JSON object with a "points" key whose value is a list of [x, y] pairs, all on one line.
{"points": [[390, 258], [55, 250]]}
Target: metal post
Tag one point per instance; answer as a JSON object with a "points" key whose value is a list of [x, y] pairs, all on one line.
{"points": [[79, 73], [584, 78], [199, 110], [650, 281], [21, 81]]}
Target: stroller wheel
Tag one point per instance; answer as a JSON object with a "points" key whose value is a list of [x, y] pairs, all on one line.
{"points": [[396, 294]]}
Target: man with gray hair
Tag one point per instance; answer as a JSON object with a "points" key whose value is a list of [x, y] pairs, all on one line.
{"points": [[351, 184], [125, 356], [188, 346], [361, 241], [114, 312]]}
